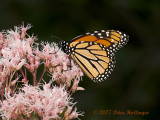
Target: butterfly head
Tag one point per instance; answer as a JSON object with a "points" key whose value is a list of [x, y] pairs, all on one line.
{"points": [[65, 46]]}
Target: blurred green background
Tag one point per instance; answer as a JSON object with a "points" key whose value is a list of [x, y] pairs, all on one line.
{"points": [[134, 84]]}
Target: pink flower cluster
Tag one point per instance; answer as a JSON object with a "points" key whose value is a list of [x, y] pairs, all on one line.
{"points": [[15, 50], [20, 54], [63, 69], [47, 104]]}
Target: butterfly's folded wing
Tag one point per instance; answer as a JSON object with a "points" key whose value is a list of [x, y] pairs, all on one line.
{"points": [[94, 60], [94, 52]]}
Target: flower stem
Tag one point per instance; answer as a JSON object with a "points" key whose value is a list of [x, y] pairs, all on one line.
{"points": [[22, 73], [34, 77], [44, 70], [25, 73], [2, 92], [12, 74]]}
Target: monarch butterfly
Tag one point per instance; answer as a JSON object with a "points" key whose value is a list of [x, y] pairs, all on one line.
{"points": [[94, 52]]}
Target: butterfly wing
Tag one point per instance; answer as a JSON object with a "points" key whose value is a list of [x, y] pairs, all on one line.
{"points": [[108, 38], [94, 52], [93, 60]]}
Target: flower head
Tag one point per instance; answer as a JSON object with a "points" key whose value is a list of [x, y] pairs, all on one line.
{"points": [[20, 55], [47, 103]]}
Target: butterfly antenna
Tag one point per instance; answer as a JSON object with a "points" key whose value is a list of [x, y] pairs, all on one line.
{"points": [[53, 36]]}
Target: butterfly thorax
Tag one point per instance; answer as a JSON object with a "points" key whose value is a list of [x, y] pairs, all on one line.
{"points": [[65, 46]]}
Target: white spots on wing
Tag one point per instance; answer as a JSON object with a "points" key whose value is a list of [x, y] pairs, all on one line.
{"points": [[107, 34], [95, 31], [99, 34], [88, 33]]}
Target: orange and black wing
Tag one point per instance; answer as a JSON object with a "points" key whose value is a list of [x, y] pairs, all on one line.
{"points": [[108, 38], [94, 52]]}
